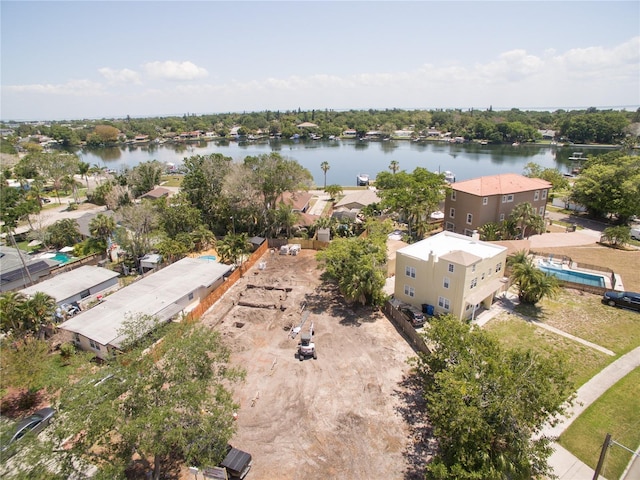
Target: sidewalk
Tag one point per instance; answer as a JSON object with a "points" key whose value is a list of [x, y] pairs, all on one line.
{"points": [[564, 464]]}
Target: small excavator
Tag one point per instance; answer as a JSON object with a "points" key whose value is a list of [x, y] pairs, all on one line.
{"points": [[306, 347]]}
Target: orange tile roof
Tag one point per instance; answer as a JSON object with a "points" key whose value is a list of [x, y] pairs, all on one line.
{"points": [[500, 185]]}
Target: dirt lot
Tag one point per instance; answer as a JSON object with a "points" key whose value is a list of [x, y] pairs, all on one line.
{"points": [[348, 414]]}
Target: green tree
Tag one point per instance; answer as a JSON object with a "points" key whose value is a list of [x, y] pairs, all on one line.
{"points": [[12, 306], [139, 220], [333, 191], [38, 313], [83, 170], [552, 175], [620, 235], [23, 367], [487, 404], [169, 404], [55, 166], [144, 177], [233, 247], [608, 184], [358, 266], [533, 284], [177, 215], [525, 218], [325, 168], [394, 166], [63, 233], [102, 227]]}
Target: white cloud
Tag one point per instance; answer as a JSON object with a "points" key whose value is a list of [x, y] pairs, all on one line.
{"points": [[170, 70], [120, 77], [78, 88]]}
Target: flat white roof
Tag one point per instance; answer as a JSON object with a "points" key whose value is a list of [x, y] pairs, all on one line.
{"points": [[68, 284], [446, 242], [154, 295]]}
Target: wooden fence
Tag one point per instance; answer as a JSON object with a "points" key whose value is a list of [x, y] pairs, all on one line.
{"points": [[214, 296], [407, 330]]}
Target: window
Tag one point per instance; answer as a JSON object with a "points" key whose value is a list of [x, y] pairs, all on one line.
{"points": [[443, 303], [498, 267], [468, 232], [452, 212], [410, 271], [453, 195], [94, 345], [469, 218], [507, 198], [542, 211], [473, 268], [474, 283], [191, 296], [536, 195], [451, 267], [544, 194], [450, 227], [485, 201], [445, 282], [502, 217], [409, 291]]}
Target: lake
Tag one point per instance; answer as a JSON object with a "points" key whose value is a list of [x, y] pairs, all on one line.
{"points": [[348, 158]]}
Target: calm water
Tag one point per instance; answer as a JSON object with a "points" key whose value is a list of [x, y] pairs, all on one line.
{"points": [[348, 158]]}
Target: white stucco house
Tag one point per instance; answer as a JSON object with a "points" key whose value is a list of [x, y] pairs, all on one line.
{"points": [[450, 273]]}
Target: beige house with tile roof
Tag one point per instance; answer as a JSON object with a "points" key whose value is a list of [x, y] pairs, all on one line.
{"points": [[474, 203], [451, 273]]}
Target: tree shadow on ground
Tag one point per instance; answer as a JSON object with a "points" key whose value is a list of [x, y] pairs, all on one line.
{"points": [[326, 298], [20, 403], [421, 445]]}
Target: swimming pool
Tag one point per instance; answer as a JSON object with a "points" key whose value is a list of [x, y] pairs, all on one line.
{"points": [[59, 257], [208, 257], [574, 276]]}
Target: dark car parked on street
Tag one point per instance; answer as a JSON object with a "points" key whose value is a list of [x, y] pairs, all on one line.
{"points": [[630, 300], [34, 423]]}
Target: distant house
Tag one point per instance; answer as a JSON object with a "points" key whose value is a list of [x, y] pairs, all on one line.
{"points": [[14, 275], [450, 273], [474, 203], [299, 201], [156, 193], [85, 220], [547, 134], [307, 125], [357, 200], [349, 133], [75, 285], [163, 295]]}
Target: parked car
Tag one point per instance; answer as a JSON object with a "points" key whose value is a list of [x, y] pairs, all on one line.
{"points": [[630, 300], [415, 316], [635, 233], [34, 423]]}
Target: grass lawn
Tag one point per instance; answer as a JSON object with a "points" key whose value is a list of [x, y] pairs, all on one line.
{"points": [[585, 316], [615, 412], [172, 180], [513, 332]]}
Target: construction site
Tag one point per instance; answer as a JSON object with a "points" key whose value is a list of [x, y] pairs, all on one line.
{"points": [[326, 393]]}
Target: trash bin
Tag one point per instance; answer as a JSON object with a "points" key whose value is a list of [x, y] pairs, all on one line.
{"points": [[429, 310]]}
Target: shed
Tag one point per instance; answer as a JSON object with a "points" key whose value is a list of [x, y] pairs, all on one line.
{"points": [[150, 261]]}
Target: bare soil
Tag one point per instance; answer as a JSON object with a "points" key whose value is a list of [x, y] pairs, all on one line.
{"points": [[352, 413]]}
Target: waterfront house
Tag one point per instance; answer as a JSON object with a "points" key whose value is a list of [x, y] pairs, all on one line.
{"points": [[450, 273], [473, 203]]}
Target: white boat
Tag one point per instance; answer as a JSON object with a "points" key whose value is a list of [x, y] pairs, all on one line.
{"points": [[449, 176], [362, 179]]}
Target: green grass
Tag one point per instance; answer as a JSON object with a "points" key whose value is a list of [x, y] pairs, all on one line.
{"points": [[615, 412], [172, 180], [585, 316], [513, 332]]}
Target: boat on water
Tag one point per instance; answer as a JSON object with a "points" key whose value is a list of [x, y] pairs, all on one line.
{"points": [[577, 156], [449, 176], [362, 180]]}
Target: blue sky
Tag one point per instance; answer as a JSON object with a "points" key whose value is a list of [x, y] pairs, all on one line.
{"points": [[103, 59]]}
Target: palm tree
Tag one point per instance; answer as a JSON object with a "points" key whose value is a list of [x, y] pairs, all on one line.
{"points": [[102, 227], [333, 191], [533, 284], [39, 311], [12, 312], [523, 214], [83, 170], [325, 167], [394, 166]]}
